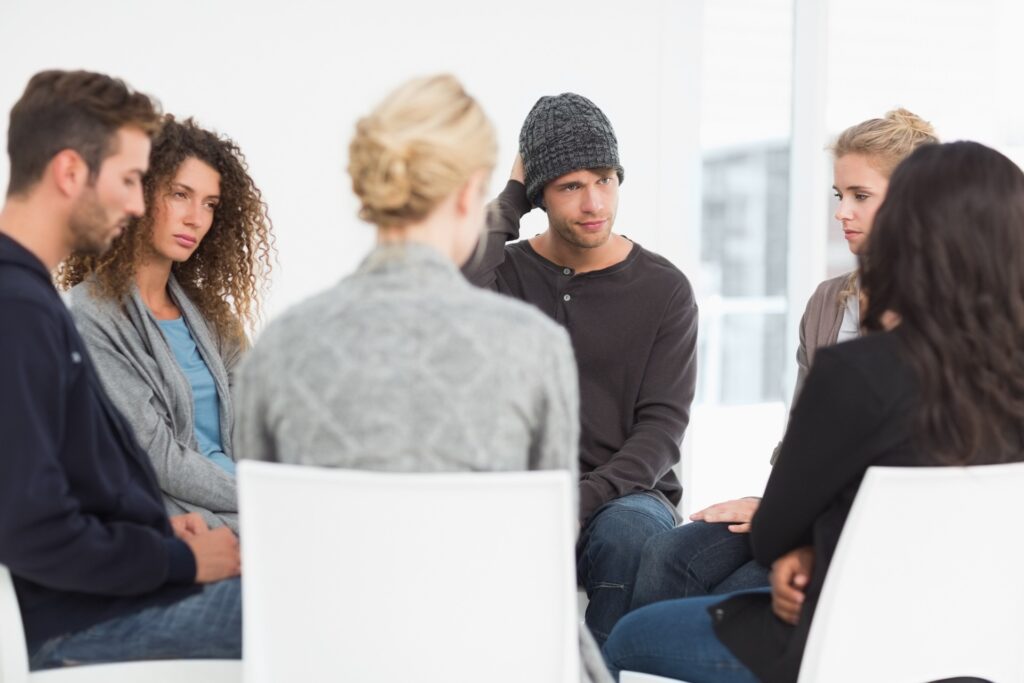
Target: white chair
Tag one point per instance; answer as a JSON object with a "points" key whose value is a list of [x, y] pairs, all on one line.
{"points": [[926, 580], [634, 677], [381, 577], [14, 658]]}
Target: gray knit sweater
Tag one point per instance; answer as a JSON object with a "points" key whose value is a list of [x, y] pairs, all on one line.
{"points": [[143, 379], [404, 366]]}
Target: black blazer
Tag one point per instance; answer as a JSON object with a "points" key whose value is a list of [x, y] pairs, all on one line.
{"points": [[82, 525], [856, 410]]}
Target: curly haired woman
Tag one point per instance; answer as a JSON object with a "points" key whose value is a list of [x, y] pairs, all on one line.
{"points": [[164, 312]]}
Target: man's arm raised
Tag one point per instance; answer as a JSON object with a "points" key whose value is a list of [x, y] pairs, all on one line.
{"points": [[503, 216]]}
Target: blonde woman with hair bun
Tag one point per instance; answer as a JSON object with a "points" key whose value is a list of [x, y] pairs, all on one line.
{"points": [[713, 555], [403, 366], [864, 157]]}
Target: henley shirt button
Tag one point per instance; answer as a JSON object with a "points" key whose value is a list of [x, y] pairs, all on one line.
{"points": [[566, 297], [719, 614], [567, 271]]}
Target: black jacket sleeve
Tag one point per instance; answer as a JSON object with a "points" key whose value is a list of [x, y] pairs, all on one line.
{"points": [[45, 536], [823, 452]]}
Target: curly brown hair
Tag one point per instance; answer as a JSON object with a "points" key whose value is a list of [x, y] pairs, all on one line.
{"points": [[226, 274]]}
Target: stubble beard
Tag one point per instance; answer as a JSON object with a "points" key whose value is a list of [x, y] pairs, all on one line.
{"points": [[581, 240], [91, 230]]}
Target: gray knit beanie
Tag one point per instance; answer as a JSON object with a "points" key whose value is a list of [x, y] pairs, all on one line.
{"points": [[562, 134]]}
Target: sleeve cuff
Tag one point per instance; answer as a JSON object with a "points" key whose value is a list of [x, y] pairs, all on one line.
{"points": [[181, 563], [591, 498]]}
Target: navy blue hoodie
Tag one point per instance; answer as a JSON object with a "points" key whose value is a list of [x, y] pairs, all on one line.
{"points": [[82, 526]]}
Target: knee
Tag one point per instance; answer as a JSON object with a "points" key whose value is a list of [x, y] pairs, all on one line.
{"points": [[660, 550], [631, 522], [628, 637], [615, 540]]}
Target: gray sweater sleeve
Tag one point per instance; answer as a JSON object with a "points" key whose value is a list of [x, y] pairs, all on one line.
{"points": [[559, 427], [183, 474], [251, 440]]}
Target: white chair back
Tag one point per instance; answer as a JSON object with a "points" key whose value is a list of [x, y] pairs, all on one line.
{"points": [[926, 580], [634, 677], [383, 577], [13, 653]]}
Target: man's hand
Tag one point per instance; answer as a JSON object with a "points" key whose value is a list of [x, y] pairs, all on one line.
{"points": [[518, 172], [216, 554], [790, 575], [188, 525], [737, 513]]}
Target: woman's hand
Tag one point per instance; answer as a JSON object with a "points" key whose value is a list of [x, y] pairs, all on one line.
{"points": [[790, 575], [737, 513], [188, 525]]}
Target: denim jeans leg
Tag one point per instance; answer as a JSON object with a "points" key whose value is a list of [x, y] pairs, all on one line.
{"points": [[608, 555], [695, 559], [207, 625], [750, 575], [674, 639]]}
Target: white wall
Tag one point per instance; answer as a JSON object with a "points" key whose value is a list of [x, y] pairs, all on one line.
{"points": [[288, 80]]}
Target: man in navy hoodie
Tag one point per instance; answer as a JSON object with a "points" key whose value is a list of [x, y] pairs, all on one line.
{"points": [[100, 571]]}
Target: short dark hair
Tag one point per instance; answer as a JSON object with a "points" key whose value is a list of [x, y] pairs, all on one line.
{"points": [[78, 110]]}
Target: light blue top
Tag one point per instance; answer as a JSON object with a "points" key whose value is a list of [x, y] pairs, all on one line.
{"points": [[204, 391]]}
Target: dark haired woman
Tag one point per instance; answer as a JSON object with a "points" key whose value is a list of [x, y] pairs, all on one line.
{"points": [[939, 382], [164, 313]]}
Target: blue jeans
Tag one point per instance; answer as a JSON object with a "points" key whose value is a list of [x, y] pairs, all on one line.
{"points": [[696, 559], [608, 555], [207, 625], [674, 639]]}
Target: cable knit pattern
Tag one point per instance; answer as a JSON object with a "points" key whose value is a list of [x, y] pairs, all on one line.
{"points": [[404, 366]]}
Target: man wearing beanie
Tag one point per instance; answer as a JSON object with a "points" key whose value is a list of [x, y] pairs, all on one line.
{"points": [[632, 319]]}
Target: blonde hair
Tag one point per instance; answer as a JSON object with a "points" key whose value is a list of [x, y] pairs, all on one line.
{"points": [[887, 141], [417, 147]]}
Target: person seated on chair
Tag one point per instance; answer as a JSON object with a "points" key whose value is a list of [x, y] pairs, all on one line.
{"points": [[163, 312], [935, 382], [632, 318], [712, 555], [100, 571], [393, 369]]}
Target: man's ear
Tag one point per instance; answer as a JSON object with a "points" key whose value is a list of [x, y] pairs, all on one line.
{"points": [[69, 172]]}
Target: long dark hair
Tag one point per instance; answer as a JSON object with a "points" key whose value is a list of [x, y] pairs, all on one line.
{"points": [[946, 256]]}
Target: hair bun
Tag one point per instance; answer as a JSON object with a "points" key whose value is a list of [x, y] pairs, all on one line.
{"points": [[888, 140], [911, 122], [380, 169], [417, 147]]}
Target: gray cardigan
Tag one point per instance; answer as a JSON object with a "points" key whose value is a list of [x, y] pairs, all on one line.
{"points": [[404, 366], [819, 327], [145, 382]]}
